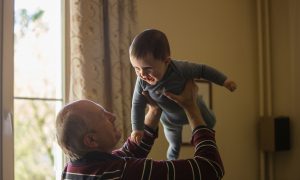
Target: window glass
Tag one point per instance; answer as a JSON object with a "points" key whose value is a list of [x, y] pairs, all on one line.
{"points": [[37, 48], [37, 88], [35, 139]]}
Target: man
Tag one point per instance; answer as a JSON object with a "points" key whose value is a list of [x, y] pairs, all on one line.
{"points": [[87, 134]]}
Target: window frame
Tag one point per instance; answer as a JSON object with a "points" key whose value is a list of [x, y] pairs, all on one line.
{"points": [[7, 58], [1, 14], [7, 81]]}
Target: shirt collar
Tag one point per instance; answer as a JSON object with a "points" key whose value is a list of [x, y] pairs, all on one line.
{"points": [[95, 156]]}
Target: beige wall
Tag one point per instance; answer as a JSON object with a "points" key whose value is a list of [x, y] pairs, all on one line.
{"points": [[285, 29], [224, 35]]}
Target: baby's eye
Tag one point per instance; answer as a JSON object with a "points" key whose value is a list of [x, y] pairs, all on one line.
{"points": [[148, 69]]}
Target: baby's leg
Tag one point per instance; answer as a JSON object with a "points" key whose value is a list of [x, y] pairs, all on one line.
{"points": [[173, 135], [208, 115]]}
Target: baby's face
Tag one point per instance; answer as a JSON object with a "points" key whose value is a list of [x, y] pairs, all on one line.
{"points": [[150, 69]]}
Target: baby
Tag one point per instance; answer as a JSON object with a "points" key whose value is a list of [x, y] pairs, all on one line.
{"points": [[158, 73]]}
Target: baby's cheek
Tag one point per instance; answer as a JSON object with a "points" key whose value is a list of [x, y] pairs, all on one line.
{"points": [[157, 76]]}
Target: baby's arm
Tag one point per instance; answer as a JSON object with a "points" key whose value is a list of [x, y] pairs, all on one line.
{"points": [[211, 74], [151, 119], [138, 112]]}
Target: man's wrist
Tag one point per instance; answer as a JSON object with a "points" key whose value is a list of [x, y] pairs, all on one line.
{"points": [[151, 130], [154, 109], [194, 116], [152, 117]]}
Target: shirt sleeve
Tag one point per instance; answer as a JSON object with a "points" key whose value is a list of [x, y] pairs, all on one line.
{"points": [[138, 107], [131, 149], [193, 70], [206, 163]]}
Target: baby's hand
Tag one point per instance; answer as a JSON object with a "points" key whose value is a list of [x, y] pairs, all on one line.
{"points": [[136, 136], [230, 85]]}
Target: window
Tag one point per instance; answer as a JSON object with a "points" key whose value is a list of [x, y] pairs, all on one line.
{"points": [[37, 88]]}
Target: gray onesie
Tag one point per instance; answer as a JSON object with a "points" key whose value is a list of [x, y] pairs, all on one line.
{"points": [[173, 81]]}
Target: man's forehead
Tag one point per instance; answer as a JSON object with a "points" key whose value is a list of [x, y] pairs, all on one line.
{"points": [[92, 106], [85, 108], [83, 105]]}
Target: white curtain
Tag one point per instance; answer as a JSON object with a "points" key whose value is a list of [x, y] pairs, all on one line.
{"points": [[100, 34]]}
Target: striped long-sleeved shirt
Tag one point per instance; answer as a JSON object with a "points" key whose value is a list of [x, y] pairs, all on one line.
{"points": [[129, 162]]}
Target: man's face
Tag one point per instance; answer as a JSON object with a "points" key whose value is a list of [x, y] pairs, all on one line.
{"points": [[102, 125], [149, 69]]}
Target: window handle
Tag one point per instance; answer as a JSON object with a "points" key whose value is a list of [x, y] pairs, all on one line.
{"points": [[8, 124]]}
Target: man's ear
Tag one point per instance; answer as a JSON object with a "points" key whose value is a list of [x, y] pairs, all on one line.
{"points": [[90, 140]]}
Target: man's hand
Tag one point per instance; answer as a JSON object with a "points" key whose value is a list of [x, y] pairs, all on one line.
{"points": [[153, 115], [187, 100], [151, 103], [188, 96]]}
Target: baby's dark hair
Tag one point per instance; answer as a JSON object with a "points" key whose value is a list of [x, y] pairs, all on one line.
{"points": [[150, 41]]}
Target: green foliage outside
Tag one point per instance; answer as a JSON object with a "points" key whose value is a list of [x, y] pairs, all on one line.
{"points": [[34, 136], [34, 139]]}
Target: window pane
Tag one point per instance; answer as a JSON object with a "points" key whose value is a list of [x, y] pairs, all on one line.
{"points": [[37, 79], [37, 48], [35, 139]]}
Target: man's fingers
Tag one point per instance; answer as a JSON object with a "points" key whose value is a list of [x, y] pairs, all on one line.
{"points": [[190, 85], [149, 99], [186, 96], [146, 95], [171, 96]]}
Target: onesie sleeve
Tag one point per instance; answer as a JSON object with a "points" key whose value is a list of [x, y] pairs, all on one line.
{"points": [[193, 70], [138, 107]]}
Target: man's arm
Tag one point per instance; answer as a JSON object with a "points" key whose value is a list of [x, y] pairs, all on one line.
{"points": [[206, 163], [154, 112], [206, 157]]}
